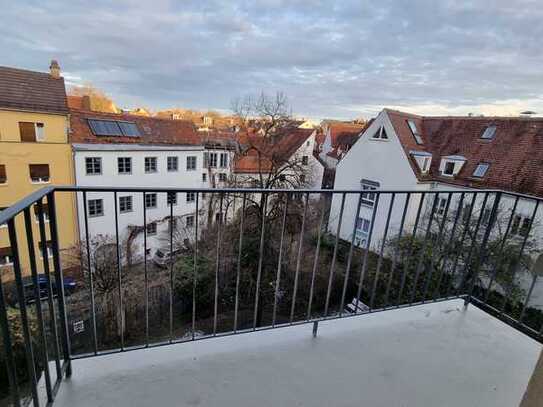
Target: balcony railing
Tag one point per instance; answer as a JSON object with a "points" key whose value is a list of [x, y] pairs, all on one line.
{"points": [[232, 261]]}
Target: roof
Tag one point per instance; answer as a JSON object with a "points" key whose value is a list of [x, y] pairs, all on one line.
{"points": [[30, 90], [262, 153], [153, 130], [515, 153], [344, 133], [132, 147]]}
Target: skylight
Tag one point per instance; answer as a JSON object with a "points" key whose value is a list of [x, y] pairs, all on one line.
{"points": [[481, 170], [113, 128], [415, 131], [489, 133]]}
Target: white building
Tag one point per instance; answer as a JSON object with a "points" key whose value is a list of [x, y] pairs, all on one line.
{"points": [[401, 151], [139, 152]]}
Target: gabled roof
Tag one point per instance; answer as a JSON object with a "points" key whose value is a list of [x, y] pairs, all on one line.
{"points": [[515, 153], [262, 153], [32, 91], [343, 133], [153, 130]]}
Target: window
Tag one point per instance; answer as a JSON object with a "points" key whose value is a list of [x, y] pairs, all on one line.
{"points": [[189, 221], [481, 170], [151, 164], [93, 165], [3, 225], [172, 198], [151, 229], [45, 209], [3, 174], [224, 160], [442, 204], [6, 257], [150, 201], [39, 172], [173, 164], [363, 225], [489, 133], [113, 128], [368, 198], [305, 160], [210, 160], [125, 204], [191, 163], [449, 168], [380, 134], [222, 177], [191, 197], [426, 164], [204, 177], [48, 247], [95, 207], [31, 132], [520, 226], [124, 165], [415, 131]]}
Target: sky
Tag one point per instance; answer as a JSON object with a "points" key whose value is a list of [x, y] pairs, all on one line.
{"points": [[333, 59]]}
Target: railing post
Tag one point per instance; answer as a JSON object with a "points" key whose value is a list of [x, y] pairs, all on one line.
{"points": [[59, 283], [493, 216], [315, 328]]}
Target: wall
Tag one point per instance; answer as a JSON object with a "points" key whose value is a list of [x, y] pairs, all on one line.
{"points": [[16, 156]]}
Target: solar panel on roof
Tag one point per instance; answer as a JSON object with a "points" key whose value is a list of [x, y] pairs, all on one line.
{"points": [[129, 129], [105, 128]]}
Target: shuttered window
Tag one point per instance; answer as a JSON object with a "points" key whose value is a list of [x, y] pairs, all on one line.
{"points": [[28, 132], [39, 172], [3, 175]]}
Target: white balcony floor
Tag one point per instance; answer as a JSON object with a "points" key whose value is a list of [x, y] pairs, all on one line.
{"points": [[434, 355]]}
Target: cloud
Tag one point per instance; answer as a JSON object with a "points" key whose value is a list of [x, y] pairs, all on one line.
{"points": [[334, 59]]}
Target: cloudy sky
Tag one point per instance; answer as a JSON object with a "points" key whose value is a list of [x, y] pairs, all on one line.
{"points": [[339, 59]]}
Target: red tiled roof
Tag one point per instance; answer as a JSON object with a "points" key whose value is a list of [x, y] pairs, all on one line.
{"points": [[344, 133], [515, 154], [153, 130], [34, 91], [263, 153]]}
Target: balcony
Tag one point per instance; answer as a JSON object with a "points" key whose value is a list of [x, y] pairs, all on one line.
{"points": [[264, 299]]}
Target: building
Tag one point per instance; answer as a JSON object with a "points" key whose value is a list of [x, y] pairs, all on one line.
{"points": [[337, 139], [137, 151], [34, 150], [401, 151], [285, 161]]}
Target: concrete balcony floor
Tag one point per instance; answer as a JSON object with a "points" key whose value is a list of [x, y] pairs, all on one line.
{"points": [[433, 355]]}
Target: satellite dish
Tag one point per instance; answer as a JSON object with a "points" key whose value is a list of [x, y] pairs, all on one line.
{"points": [[537, 267]]}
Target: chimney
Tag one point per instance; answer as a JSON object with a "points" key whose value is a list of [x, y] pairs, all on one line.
{"points": [[86, 103], [54, 69]]}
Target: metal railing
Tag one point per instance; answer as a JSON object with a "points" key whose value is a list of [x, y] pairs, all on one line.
{"points": [[248, 260]]}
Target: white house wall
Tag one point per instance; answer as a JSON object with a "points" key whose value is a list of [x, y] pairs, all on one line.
{"points": [[382, 161]]}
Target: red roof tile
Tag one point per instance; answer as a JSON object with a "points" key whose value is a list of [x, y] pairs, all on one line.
{"points": [[153, 130], [515, 154]]}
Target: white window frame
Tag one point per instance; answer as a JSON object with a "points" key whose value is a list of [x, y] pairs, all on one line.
{"points": [[172, 163], [148, 166], [154, 227], [126, 199], [189, 221], [95, 164], [481, 170], [369, 198], [190, 197], [171, 202], [39, 131], [8, 260], [445, 173], [380, 134], [151, 200], [121, 163], [192, 163], [91, 204], [223, 160]]}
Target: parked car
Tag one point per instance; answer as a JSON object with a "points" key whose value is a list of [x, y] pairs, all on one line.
{"points": [[30, 295], [163, 257]]}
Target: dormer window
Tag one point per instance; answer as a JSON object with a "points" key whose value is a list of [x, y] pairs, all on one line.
{"points": [[423, 160], [415, 131], [489, 133], [380, 134], [481, 170], [451, 165]]}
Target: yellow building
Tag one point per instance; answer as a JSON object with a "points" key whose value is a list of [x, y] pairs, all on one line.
{"points": [[34, 152]]}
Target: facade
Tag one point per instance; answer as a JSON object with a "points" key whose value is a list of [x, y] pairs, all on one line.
{"points": [[137, 151], [290, 158], [34, 152]]}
